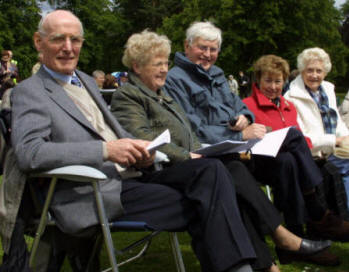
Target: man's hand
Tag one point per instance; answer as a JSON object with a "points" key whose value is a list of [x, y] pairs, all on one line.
{"points": [[241, 123], [254, 131], [128, 152]]}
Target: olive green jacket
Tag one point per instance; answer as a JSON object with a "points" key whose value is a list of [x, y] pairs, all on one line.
{"points": [[145, 114]]}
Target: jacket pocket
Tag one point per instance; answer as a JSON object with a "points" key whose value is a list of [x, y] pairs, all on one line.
{"points": [[200, 98]]}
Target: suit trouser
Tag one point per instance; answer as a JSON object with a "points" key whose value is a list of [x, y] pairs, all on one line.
{"points": [[292, 172], [196, 195], [259, 215]]}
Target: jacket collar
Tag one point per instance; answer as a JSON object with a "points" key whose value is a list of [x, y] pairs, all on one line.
{"points": [[213, 73], [298, 90], [162, 98], [135, 80], [61, 98], [263, 101]]}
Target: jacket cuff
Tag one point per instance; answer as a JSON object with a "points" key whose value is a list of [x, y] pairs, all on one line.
{"points": [[105, 151]]}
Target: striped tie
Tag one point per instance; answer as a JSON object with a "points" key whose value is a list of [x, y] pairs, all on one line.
{"points": [[75, 81]]}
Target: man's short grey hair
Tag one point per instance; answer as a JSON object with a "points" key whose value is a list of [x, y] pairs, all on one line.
{"points": [[205, 30], [311, 54], [97, 73], [41, 26]]}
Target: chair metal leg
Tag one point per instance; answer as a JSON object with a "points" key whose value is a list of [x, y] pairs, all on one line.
{"points": [[176, 252], [105, 227], [43, 221], [269, 192]]}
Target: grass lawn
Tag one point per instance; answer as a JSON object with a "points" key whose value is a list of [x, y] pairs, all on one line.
{"points": [[159, 257]]}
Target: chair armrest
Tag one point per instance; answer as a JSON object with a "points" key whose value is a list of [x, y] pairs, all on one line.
{"points": [[73, 172]]}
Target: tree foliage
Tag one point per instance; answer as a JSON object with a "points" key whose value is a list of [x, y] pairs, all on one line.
{"points": [[250, 28], [18, 21], [254, 28]]}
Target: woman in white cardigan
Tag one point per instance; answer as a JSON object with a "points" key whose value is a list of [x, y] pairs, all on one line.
{"points": [[316, 104]]}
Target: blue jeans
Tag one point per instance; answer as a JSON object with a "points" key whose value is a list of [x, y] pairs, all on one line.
{"points": [[343, 168]]}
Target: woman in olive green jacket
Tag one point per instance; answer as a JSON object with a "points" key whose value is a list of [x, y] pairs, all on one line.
{"points": [[147, 114]]}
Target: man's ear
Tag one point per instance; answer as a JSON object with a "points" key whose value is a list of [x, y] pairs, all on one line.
{"points": [[186, 45], [37, 41]]}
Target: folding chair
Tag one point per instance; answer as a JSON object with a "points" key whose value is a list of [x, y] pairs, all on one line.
{"points": [[80, 173]]}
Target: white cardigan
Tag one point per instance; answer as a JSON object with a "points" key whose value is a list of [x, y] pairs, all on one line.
{"points": [[309, 118]]}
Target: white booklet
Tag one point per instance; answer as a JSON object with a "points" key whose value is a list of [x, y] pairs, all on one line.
{"points": [[163, 138], [268, 146]]}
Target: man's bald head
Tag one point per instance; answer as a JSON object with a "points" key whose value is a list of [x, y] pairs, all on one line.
{"points": [[46, 24]]}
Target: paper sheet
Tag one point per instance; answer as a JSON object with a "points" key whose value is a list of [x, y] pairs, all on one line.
{"points": [[163, 138], [268, 146], [271, 143]]}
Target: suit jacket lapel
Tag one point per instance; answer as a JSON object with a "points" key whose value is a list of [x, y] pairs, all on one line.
{"points": [[108, 117], [60, 97]]}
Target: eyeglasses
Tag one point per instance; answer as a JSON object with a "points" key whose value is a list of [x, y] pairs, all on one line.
{"points": [[60, 39], [204, 48], [161, 64]]}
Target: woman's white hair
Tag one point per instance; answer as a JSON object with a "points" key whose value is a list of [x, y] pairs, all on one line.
{"points": [[205, 30], [311, 54], [142, 47]]}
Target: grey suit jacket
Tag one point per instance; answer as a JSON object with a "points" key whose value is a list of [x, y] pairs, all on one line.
{"points": [[49, 131]]}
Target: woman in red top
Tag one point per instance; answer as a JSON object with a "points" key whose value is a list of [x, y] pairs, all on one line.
{"points": [[266, 102]]}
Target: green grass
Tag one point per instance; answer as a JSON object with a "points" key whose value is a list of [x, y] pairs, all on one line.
{"points": [[159, 256]]}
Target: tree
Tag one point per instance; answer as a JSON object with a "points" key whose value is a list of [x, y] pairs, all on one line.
{"points": [[250, 28], [253, 28], [18, 22], [101, 32], [135, 16]]}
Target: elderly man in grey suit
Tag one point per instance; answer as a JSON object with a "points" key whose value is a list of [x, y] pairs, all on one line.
{"points": [[60, 119]]}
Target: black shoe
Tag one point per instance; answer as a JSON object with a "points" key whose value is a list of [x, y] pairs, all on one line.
{"points": [[323, 257], [309, 251]]}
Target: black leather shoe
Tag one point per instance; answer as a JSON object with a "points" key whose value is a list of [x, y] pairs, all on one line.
{"points": [[310, 247], [309, 251], [323, 257]]}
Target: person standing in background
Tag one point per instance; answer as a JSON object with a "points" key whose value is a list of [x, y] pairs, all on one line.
{"points": [[233, 84], [7, 68], [243, 85]]}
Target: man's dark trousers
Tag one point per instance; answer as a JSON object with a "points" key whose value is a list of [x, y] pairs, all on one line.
{"points": [[197, 195]]}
